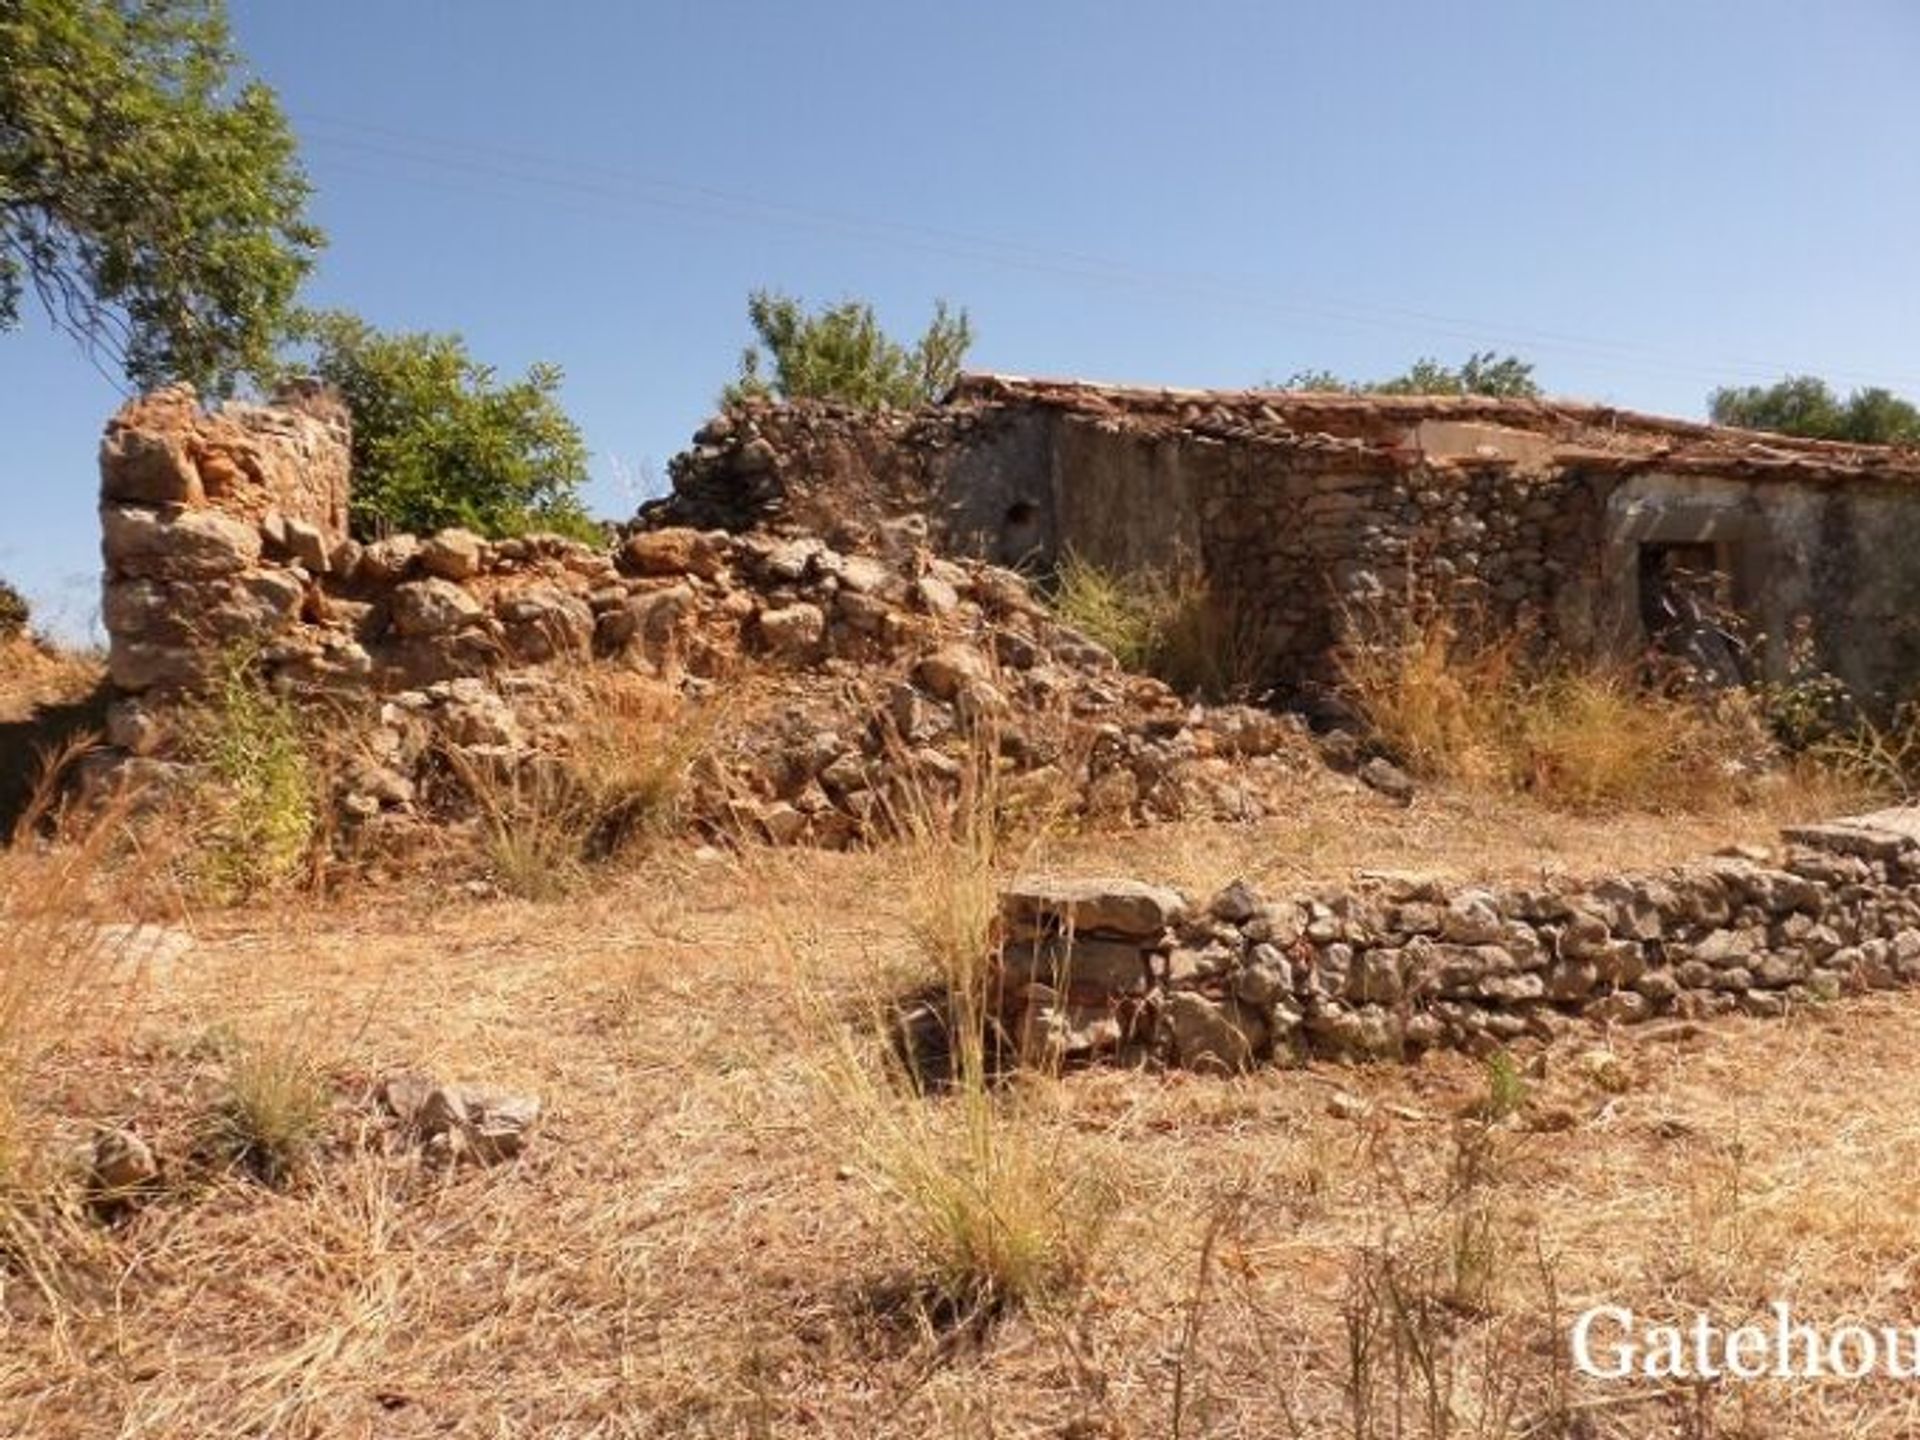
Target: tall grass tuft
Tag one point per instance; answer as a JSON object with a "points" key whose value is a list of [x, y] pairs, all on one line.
{"points": [[617, 779], [992, 1201], [271, 1114], [1163, 621], [57, 956], [262, 805]]}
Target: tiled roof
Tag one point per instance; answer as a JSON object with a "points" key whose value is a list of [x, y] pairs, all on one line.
{"points": [[1455, 429]]}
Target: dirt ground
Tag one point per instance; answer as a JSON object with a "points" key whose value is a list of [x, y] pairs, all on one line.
{"points": [[694, 1245]]}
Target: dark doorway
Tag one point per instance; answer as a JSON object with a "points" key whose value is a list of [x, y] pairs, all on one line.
{"points": [[1686, 609]]}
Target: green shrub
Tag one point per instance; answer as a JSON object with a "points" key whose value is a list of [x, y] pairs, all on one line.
{"points": [[439, 439], [841, 353]]}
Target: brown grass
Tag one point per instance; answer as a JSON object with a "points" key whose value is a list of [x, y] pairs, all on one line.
{"points": [[615, 783], [1454, 699], [700, 1243]]}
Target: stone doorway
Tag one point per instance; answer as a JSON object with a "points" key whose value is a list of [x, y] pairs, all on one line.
{"points": [[1686, 608]]}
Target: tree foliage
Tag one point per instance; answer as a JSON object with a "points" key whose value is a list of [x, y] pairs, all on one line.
{"points": [[841, 353], [1807, 405], [15, 612], [438, 440], [1481, 373], [151, 202]]}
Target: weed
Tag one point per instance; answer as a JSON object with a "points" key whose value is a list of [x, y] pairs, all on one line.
{"points": [[1166, 622], [1506, 1087], [273, 1108], [261, 809]]}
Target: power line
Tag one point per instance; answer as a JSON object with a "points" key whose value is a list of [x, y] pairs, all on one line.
{"points": [[629, 189]]}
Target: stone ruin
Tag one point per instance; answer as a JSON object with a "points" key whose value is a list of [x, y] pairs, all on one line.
{"points": [[1396, 964], [1302, 511], [849, 570], [873, 670]]}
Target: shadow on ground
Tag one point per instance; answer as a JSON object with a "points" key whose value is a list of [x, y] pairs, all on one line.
{"points": [[27, 742]]}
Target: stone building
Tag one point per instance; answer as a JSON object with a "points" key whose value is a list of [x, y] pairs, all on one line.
{"points": [[1604, 528]]}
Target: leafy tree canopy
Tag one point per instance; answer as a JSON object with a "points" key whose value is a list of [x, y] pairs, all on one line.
{"points": [[438, 440], [1482, 373], [841, 353], [1807, 405], [152, 204]]}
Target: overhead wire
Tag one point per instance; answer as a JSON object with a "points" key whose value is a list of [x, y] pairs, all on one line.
{"points": [[496, 166]]}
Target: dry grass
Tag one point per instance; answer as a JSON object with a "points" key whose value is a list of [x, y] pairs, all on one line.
{"points": [[704, 1240], [614, 785], [34, 673], [1455, 700], [1164, 622], [64, 959], [992, 1204], [272, 1110]]}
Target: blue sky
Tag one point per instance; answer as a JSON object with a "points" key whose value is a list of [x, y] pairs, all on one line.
{"points": [[1646, 197]]}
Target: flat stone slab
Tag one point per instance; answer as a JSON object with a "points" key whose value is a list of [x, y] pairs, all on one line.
{"points": [[1880, 835], [1127, 909]]}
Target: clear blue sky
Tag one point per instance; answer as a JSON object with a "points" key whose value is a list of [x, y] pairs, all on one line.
{"points": [[1646, 197]]}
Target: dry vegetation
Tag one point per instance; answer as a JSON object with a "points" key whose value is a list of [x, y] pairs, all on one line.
{"points": [[741, 1220], [1456, 699], [1164, 622], [747, 1214]]}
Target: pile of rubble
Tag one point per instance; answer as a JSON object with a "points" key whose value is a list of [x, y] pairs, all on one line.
{"points": [[1399, 964], [836, 692]]}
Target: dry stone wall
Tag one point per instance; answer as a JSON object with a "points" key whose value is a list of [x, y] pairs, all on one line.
{"points": [[1305, 512], [850, 678], [1394, 965]]}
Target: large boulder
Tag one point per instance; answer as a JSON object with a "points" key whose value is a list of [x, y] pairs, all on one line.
{"points": [[432, 607], [147, 544]]}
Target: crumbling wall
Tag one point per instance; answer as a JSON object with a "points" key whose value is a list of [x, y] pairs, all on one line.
{"points": [[212, 526], [1294, 531], [225, 535], [1396, 965], [867, 479]]}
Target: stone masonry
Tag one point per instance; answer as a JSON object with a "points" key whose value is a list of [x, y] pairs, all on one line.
{"points": [[1303, 511], [1394, 965], [874, 672]]}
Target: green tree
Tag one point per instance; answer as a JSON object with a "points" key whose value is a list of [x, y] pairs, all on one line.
{"points": [[151, 202], [1807, 405], [438, 440], [1482, 373], [841, 353]]}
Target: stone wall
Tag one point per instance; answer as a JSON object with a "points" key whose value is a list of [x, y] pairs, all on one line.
{"points": [[212, 526], [1294, 532], [1394, 965], [854, 679], [1304, 510]]}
